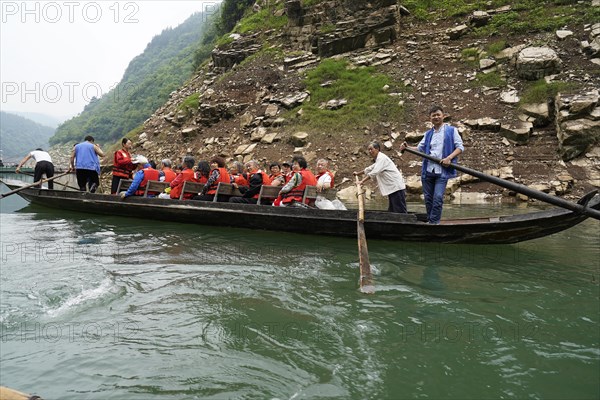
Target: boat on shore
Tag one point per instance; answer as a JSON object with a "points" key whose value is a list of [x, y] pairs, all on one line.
{"points": [[377, 224]]}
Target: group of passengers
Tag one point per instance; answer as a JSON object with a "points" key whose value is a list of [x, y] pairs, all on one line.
{"points": [[247, 178]]}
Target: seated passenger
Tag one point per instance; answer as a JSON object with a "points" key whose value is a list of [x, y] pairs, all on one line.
{"points": [[293, 191], [218, 174], [143, 174], [257, 179], [285, 175], [203, 171], [238, 175], [324, 175], [187, 174], [168, 173]]}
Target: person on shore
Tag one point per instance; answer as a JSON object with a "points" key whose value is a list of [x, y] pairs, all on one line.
{"points": [[43, 166], [144, 173], [388, 176], [218, 174], [251, 192], [444, 142], [168, 175], [122, 165], [86, 163], [301, 177]]}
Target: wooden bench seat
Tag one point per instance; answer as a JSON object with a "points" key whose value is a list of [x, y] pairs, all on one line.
{"points": [[191, 187], [226, 189], [269, 193], [155, 187], [124, 185]]}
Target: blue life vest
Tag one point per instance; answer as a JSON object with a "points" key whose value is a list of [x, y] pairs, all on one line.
{"points": [[447, 172]]}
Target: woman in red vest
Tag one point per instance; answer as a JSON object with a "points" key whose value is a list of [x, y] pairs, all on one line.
{"points": [[122, 165], [238, 175], [257, 179], [293, 191], [218, 173]]}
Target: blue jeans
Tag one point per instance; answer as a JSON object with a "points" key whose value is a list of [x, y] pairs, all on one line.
{"points": [[434, 187]]}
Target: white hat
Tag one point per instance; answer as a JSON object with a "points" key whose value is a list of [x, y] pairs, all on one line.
{"points": [[139, 159]]}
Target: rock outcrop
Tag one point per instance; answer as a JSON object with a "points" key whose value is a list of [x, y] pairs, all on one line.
{"points": [[577, 123]]}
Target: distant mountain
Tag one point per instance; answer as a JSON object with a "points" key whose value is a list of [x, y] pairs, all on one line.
{"points": [[18, 136], [42, 119], [166, 63]]}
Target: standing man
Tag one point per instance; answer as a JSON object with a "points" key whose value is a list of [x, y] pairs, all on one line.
{"points": [[389, 178], [86, 163], [122, 165], [444, 142], [43, 165]]}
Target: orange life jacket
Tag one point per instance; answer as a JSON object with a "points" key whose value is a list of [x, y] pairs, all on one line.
{"points": [[240, 180], [308, 179], [223, 177], [177, 184], [328, 173], [169, 174], [150, 174], [122, 165]]}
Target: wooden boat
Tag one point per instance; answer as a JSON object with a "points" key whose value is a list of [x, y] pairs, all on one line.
{"points": [[378, 224]]}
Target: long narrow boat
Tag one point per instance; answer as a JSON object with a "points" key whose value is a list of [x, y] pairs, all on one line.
{"points": [[378, 224]]}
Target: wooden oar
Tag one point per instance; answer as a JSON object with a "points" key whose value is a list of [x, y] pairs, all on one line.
{"points": [[366, 278], [64, 185], [3, 195], [517, 187]]}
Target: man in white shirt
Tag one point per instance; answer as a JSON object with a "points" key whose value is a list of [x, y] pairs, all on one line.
{"points": [[389, 178], [43, 165]]}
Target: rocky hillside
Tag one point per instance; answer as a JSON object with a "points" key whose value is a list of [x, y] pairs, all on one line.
{"points": [[527, 104]]}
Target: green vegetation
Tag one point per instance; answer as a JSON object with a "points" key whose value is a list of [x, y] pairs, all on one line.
{"points": [[262, 20], [165, 64], [20, 135], [525, 16], [492, 79], [192, 102], [540, 91], [363, 89], [496, 47]]}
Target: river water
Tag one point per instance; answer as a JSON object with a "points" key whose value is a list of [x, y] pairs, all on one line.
{"points": [[95, 307]]}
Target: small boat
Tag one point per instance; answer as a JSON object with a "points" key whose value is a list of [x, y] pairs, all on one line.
{"points": [[377, 224]]}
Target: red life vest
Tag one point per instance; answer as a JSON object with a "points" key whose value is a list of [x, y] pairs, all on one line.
{"points": [[308, 179], [122, 165], [328, 173], [150, 174], [223, 177], [240, 180], [177, 184], [169, 174]]}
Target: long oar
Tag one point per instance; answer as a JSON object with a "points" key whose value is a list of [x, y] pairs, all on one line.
{"points": [[64, 185], [366, 278], [517, 187], [3, 195]]}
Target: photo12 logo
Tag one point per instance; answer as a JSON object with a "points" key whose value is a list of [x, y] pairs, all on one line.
{"points": [[53, 12]]}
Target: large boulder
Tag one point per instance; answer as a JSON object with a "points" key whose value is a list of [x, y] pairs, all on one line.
{"points": [[577, 127], [534, 63]]}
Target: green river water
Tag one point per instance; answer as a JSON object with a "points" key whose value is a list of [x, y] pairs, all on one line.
{"points": [[96, 307]]}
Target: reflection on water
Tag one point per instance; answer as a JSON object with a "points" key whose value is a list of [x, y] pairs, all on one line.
{"points": [[107, 307]]}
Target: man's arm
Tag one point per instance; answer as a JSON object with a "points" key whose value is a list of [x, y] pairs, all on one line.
{"points": [[23, 161], [98, 150], [137, 180]]}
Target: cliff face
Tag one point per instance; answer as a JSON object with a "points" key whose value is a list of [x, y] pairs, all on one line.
{"points": [[247, 103]]}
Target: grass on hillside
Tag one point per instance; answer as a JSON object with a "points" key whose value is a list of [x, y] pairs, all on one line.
{"points": [[363, 88], [525, 16], [540, 91], [260, 21], [190, 104]]}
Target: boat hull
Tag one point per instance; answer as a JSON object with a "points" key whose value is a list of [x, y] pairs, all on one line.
{"points": [[378, 224]]}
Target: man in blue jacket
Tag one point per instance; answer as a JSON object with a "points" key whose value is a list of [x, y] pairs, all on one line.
{"points": [[85, 160]]}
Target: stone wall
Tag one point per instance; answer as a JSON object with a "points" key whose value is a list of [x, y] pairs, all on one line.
{"points": [[339, 26]]}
